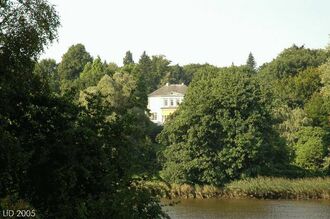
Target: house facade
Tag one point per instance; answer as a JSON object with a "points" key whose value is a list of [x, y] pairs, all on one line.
{"points": [[165, 101]]}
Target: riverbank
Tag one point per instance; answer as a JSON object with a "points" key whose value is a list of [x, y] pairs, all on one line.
{"points": [[260, 188]]}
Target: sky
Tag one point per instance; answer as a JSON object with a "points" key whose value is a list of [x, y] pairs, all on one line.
{"points": [[218, 32]]}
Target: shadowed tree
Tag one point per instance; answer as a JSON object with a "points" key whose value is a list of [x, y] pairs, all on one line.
{"points": [[46, 69], [128, 59]]}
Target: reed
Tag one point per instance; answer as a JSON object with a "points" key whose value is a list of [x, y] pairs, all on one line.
{"points": [[260, 187], [280, 188]]}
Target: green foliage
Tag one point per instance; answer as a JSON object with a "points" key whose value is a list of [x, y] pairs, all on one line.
{"points": [[116, 91], [289, 123], [325, 76], [176, 75], [294, 60], [192, 70], [305, 84], [90, 160], [116, 94], [122, 129], [317, 108], [63, 160], [295, 91], [310, 148], [160, 66], [250, 62], [72, 64], [91, 74], [221, 131], [148, 73], [112, 68], [46, 69], [26, 26], [128, 59]]}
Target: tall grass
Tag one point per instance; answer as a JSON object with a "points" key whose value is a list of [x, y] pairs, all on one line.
{"points": [[261, 187], [184, 190], [280, 188]]}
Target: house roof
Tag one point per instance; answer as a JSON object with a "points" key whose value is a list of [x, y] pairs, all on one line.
{"points": [[169, 89]]}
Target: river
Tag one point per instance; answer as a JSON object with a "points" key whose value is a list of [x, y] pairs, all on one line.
{"points": [[249, 209]]}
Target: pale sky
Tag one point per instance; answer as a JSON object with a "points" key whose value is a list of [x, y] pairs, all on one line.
{"points": [[218, 32]]}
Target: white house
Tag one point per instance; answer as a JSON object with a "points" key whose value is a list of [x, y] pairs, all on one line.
{"points": [[164, 101]]}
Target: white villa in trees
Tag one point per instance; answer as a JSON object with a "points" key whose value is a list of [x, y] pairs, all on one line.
{"points": [[164, 101]]}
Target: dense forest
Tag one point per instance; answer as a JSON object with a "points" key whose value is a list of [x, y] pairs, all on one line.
{"points": [[76, 140]]}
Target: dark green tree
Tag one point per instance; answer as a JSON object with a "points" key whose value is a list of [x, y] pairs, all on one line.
{"points": [[176, 75], [145, 63], [141, 74], [61, 159], [127, 145], [222, 131], [46, 69], [128, 59], [317, 109], [295, 91], [191, 70], [25, 28], [92, 73], [250, 62], [72, 64], [160, 66]]}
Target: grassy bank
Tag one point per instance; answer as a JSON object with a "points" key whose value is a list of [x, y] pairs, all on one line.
{"points": [[261, 187]]}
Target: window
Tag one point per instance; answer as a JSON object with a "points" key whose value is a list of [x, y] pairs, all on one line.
{"points": [[172, 102], [153, 116], [165, 102], [177, 102]]}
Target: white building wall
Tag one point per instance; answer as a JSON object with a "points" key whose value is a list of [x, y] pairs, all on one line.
{"points": [[156, 103]]}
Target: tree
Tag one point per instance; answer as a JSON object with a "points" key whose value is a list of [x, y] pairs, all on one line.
{"points": [[46, 69], [310, 148], [250, 62], [116, 91], [317, 109], [192, 70], [92, 73], [145, 63], [126, 140], [141, 74], [325, 78], [24, 32], [176, 75], [160, 66], [112, 68], [222, 131], [292, 121], [58, 157], [128, 59], [72, 64], [293, 60], [295, 91], [25, 28]]}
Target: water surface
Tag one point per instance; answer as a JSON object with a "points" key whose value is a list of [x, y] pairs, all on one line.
{"points": [[249, 209]]}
